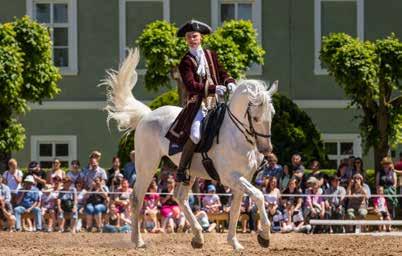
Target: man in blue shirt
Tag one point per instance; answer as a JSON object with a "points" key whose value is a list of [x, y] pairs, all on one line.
{"points": [[91, 172], [28, 202], [129, 172]]}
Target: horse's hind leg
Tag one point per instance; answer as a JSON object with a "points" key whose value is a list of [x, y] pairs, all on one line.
{"points": [[181, 196], [146, 168], [234, 217]]}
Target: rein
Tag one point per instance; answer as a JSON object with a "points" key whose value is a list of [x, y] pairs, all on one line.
{"points": [[244, 129]]}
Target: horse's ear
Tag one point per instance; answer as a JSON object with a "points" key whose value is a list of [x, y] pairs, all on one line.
{"points": [[274, 88]]}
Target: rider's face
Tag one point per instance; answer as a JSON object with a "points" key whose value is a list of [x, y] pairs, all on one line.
{"points": [[193, 39]]}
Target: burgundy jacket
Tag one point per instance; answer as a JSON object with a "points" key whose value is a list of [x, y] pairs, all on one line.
{"points": [[195, 87]]}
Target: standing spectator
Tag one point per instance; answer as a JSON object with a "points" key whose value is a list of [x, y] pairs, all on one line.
{"points": [[316, 173], [284, 179], [398, 164], [335, 203], [28, 202], [48, 206], [343, 175], [75, 171], [386, 177], [211, 202], [359, 167], [297, 169], [114, 174], [67, 204], [12, 178], [96, 204], [351, 166], [130, 173], [56, 172], [357, 201], [92, 172], [270, 169], [380, 207], [38, 174]]}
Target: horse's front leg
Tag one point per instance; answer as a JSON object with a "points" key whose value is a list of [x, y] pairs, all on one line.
{"points": [[181, 196], [234, 218], [258, 197]]}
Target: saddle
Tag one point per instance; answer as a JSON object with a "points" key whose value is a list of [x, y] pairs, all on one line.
{"points": [[210, 128]]}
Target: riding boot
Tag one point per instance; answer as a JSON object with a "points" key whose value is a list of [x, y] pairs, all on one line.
{"points": [[183, 174]]}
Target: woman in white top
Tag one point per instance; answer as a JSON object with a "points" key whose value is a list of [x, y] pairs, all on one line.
{"points": [[272, 195], [13, 176]]}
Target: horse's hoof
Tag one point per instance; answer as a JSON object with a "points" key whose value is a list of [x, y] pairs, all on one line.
{"points": [[141, 245], [262, 241], [196, 244]]}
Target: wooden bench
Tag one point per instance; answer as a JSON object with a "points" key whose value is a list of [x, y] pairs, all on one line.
{"points": [[219, 219]]}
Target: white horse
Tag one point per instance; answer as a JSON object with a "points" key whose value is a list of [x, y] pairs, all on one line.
{"points": [[244, 136]]}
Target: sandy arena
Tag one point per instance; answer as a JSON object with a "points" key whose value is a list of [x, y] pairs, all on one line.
{"points": [[179, 244]]}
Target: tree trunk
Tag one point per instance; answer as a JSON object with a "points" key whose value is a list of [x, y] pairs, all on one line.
{"points": [[181, 90], [381, 150], [4, 157]]}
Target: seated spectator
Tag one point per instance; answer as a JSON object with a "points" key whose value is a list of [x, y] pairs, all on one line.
{"points": [[38, 174], [297, 168], [28, 202], [96, 205], [357, 204], [48, 206], [334, 205], [67, 204], [398, 164], [270, 169], [170, 210], [92, 172], [56, 172], [6, 213], [129, 172], [381, 208], [202, 218], [75, 171], [13, 178], [386, 177], [151, 200], [272, 196], [211, 202], [5, 193], [122, 200], [314, 203], [115, 175], [292, 203], [284, 178], [151, 223], [113, 223], [81, 197]]}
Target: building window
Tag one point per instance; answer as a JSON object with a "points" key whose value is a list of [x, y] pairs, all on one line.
{"points": [[341, 146], [45, 149], [60, 16], [332, 16], [223, 10]]}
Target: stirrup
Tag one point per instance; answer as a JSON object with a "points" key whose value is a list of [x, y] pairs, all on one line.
{"points": [[183, 177]]}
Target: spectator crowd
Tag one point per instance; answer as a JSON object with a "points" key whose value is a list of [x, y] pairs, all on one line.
{"points": [[89, 198]]}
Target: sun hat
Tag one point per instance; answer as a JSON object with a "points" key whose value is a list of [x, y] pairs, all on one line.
{"points": [[30, 179], [211, 188], [47, 188], [386, 160]]}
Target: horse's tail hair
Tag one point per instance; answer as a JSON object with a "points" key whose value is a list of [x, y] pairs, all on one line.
{"points": [[121, 105]]}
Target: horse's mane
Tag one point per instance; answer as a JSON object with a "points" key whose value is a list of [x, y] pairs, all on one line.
{"points": [[256, 90]]}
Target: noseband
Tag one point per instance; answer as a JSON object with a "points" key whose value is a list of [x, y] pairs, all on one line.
{"points": [[247, 131]]}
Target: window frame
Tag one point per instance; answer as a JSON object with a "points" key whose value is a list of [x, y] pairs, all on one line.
{"points": [[72, 68], [71, 140], [343, 138], [256, 9], [318, 70]]}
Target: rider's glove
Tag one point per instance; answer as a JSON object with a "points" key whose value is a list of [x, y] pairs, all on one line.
{"points": [[220, 90], [231, 87]]}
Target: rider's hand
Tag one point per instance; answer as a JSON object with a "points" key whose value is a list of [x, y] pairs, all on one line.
{"points": [[220, 90]]}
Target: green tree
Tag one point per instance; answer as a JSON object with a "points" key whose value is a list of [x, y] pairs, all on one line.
{"points": [[293, 130], [27, 74], [235, 42], [369, 73]]}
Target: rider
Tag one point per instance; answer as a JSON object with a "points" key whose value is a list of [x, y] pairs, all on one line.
{"points": [[203, 77]]}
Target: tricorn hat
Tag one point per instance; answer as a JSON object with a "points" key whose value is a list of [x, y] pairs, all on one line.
{"points": [[194, 26]]}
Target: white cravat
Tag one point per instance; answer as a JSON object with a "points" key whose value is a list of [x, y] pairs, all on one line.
{"points": [[201, 60]]}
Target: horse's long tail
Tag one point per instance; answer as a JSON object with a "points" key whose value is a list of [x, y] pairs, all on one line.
{"points": [[122, 106]]}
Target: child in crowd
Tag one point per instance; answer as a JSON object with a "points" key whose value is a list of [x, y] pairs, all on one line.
{"points": [[211, 202], [202, 218], [67, 204], [381, 208], [48, 206], [113, 223], [151, 223]]}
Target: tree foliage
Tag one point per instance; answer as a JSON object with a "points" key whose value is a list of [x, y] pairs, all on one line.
{"points": [[27, 74], [235, 42], [369, 73]]}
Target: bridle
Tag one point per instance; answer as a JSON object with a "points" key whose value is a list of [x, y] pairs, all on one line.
{"points": [[247, 131]]}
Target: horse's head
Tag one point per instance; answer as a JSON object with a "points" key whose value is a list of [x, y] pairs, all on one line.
{"points": [[252, 105]]}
